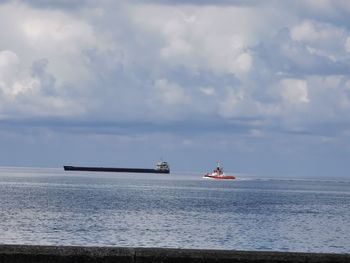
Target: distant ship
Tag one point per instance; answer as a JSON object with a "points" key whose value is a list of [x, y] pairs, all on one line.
{"points": [[218, 173], [161, 168]]}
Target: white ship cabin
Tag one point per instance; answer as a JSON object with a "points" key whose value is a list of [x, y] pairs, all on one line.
{"points": [[162, 166]]}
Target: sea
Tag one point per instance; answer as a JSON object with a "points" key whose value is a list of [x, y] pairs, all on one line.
{"points": [[41, 206]]}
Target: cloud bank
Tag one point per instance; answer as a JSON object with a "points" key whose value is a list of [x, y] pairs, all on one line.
{"points": [[268, 67]]}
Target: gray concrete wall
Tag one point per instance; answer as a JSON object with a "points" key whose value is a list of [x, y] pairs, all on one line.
{"points": [[53, 254]]}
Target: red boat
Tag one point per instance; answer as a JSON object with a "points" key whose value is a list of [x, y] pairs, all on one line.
{"points": [[218, 173]]}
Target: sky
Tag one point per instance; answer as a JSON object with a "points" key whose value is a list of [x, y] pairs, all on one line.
{"points": [[262, 86]]}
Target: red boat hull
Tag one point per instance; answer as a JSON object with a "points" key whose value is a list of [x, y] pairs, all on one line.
{"points": [[220, 176]]}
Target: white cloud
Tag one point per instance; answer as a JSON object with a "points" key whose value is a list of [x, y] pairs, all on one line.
{"points": [[331, 98], [9, 67], [167, 93], [57, 31], [314, 32], [294, 91], [208, 91], [321, 39], [203, 38], [347, 45], [177, 47], [230, 107], [242, 64], [23, 94], [63, 40]]}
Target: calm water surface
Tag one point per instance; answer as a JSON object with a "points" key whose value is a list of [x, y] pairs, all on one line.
{"points": [[53, 207]]}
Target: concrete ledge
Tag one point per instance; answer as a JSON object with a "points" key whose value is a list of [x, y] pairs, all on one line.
{"points": [[58, 254]]}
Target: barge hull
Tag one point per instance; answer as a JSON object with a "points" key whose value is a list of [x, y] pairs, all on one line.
{"points": [[115, 170]]}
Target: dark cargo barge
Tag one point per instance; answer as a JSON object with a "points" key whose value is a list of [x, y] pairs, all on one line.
{"points": [[161, 168]]}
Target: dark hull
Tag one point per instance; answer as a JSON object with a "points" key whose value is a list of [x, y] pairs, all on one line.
{"points": [[116, 170]]}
